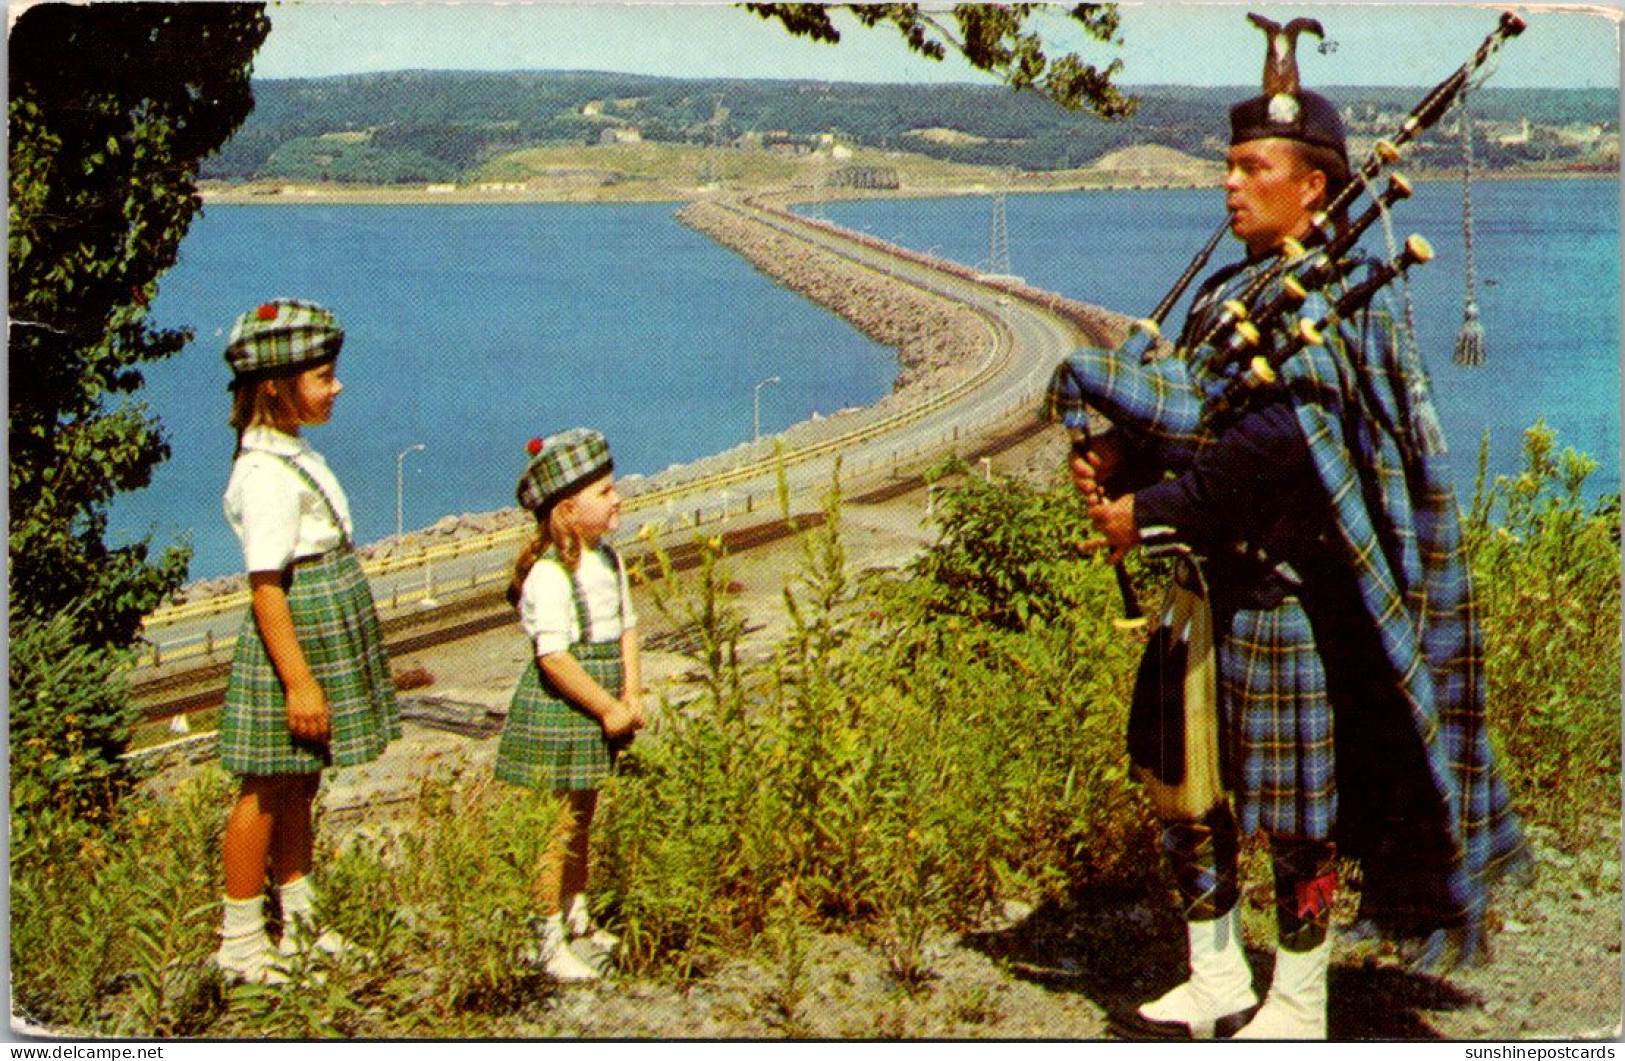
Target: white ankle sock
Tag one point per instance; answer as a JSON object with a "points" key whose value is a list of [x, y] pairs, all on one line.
{"points": [[576, 915], [242, 927], [298, 903]]}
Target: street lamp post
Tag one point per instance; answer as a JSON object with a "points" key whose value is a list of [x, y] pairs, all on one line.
{"points": [[400, 461], [756, 408], [428, 600]]}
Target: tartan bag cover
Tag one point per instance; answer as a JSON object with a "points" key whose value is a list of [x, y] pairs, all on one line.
{"points": [[337, 628], [1365, 405], [549, 742]]}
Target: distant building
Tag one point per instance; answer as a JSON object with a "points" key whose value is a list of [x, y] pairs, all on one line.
{"points": [[869, 178], [1517, 138], [783, 142]]}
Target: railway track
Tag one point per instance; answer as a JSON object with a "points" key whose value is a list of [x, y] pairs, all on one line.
{"points": [[202, 687]]}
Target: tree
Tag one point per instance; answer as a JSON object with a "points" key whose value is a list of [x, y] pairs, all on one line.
{"points": [[112, 109], [991, 37]]}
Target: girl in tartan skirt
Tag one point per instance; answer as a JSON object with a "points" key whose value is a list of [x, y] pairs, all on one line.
{"points": [[310, 685], [578, 702]]}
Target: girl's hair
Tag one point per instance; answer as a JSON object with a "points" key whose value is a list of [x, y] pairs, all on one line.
{"points": [[555, 529], [254, 403]]}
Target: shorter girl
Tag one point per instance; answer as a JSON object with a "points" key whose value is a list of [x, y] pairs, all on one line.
{"points": [[578, 701], [310, 685]]}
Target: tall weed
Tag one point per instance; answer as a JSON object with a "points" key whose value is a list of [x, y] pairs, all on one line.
{"points": [[1547, 575]]}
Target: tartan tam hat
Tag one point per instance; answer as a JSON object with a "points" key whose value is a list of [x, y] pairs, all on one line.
{"points": [[280, 336], [561, 464]]}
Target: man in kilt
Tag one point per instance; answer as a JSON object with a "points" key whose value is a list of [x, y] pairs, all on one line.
{"points": [[1350, 683]]}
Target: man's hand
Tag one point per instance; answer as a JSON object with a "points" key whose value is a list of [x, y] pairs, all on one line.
{"points": [[634, 704], [1095, 466], [1119, 530]]}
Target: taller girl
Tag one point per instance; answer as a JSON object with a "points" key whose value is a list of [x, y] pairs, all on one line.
{"points": [[310, 684]]}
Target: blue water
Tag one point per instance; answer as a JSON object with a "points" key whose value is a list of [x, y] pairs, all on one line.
{"points": [[1547, 255], [472, 328]]}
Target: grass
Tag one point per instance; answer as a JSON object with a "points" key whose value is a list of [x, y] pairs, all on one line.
{"points": [[916, 751]]}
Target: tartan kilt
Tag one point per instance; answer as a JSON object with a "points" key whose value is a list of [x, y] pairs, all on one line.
{"points": [[1276, 713], [551, 743], [337, 628]]}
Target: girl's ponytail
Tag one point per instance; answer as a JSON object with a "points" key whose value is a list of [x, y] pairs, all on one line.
{"points": [[554, 530], [529, 553]]}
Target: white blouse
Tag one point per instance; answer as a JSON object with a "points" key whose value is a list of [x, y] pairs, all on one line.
{"points": [[275, 514], [547, 608]]}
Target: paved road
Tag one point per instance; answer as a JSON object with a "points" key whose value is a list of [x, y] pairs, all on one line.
{"points": [[1023, 345]]}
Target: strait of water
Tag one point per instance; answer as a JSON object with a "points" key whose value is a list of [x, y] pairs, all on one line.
{"points": [[473, 328]]}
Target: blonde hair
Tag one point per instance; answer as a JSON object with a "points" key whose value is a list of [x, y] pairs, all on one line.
{"points": [[555, 530]]}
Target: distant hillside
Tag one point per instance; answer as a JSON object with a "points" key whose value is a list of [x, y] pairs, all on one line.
{"points": [[417, 126]]}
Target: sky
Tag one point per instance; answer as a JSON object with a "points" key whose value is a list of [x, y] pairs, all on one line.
{"points": [[1165, 42]]}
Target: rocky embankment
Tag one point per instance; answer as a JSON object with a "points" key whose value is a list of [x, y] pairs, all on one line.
{"points": [[935, 339]]}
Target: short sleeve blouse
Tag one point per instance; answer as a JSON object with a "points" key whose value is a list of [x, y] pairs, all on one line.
{"points": [[547, 609], [275, 514]]}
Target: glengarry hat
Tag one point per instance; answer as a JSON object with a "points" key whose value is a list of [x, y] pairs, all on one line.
{"points": [[1285, 110], [280, 336], [562, 464]]}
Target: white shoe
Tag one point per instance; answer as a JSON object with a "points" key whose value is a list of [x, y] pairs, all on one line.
{"points": [[1296, 1005], [555, 956], [296, 939], [249, 965], [566, 966], [1215, 1000]]}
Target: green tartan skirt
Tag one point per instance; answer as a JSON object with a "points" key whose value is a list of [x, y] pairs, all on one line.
{"points": [[337, 628], [549, 742]]}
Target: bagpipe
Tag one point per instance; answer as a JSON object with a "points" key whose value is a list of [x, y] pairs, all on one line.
{"points": [[1252, 327]]}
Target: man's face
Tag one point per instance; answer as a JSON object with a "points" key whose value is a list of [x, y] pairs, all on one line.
{"points": [[1270, 193]]}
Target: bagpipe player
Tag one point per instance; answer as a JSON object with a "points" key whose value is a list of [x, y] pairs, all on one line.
{"points": [[1322, 540]]}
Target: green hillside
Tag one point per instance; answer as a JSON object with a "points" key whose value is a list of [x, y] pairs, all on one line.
{"points": [[416, 126]]}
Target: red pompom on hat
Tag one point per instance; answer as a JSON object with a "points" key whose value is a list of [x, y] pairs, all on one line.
{"points": [[266, 312], [533, 447]]}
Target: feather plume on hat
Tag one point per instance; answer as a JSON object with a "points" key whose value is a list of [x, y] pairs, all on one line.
{"points": [[1281, 84]]}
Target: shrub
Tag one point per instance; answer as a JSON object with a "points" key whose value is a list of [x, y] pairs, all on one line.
{"points": [[1547, 577], [70, 718]]}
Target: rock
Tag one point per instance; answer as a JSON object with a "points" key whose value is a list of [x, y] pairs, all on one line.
{"points": [[1016, 911]]}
